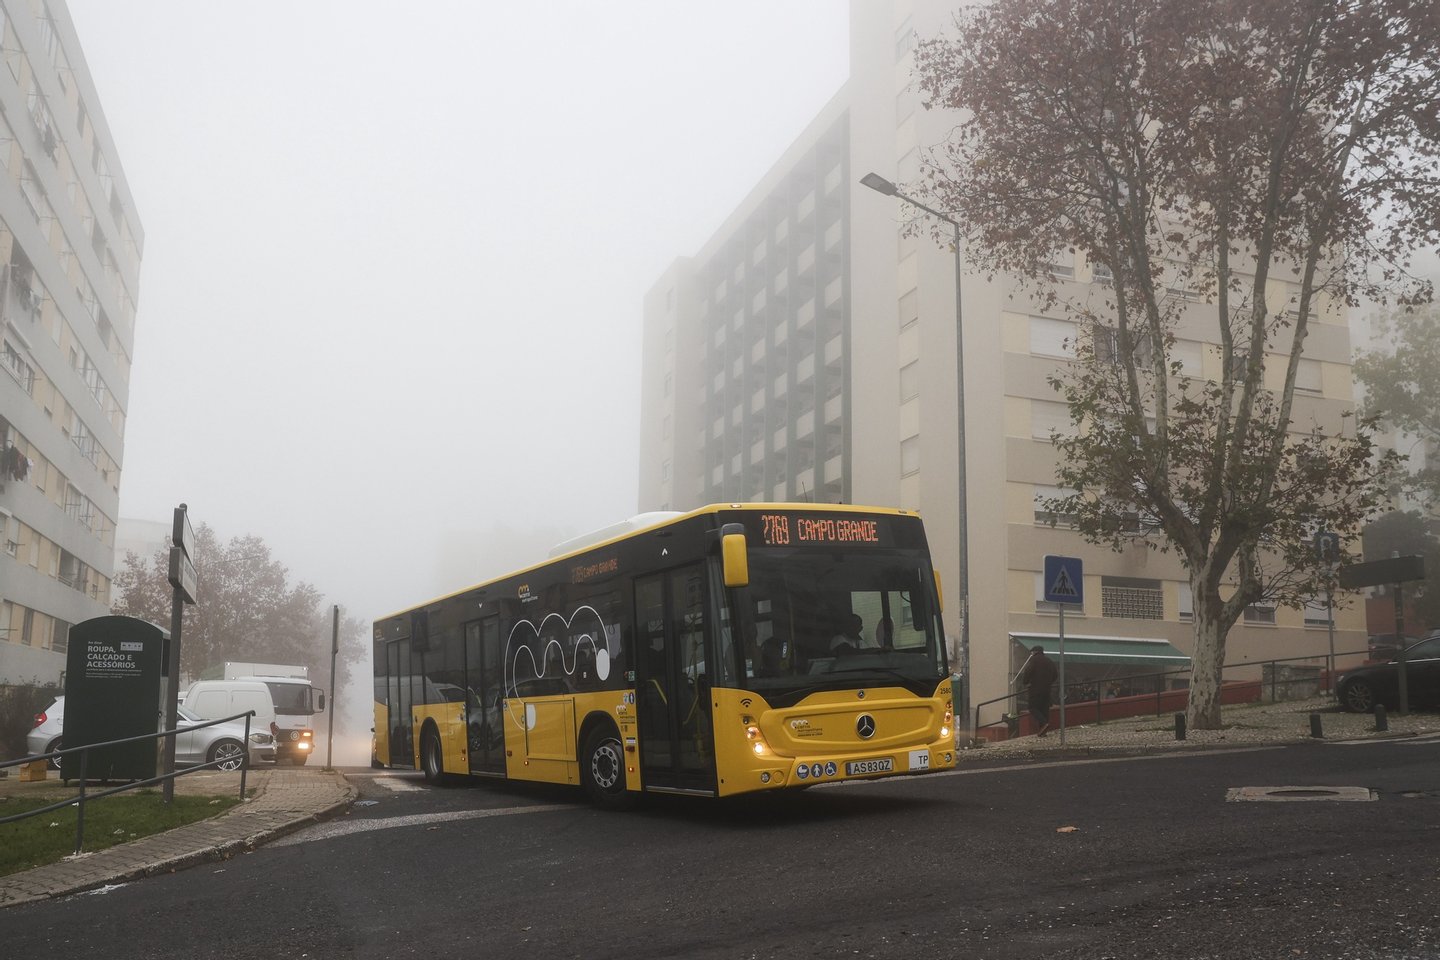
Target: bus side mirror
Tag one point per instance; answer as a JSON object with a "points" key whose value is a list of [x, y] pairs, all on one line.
{"points": [[734, 556], [939, 593], [319, 701]]}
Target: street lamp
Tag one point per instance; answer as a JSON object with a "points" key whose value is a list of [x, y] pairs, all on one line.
{"points": [[880, 185]]}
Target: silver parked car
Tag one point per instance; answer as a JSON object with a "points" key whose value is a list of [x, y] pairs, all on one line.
{"points": [[222, 741]]}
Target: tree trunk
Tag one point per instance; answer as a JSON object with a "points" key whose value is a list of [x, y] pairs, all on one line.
{"points": [[1203, 712]]}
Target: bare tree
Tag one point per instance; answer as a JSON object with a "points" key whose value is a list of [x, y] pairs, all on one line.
{"points": [[1202, 155], [246, 607]]}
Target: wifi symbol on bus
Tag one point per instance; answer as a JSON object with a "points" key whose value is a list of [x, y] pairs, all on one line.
{"points": [[745, 703]]}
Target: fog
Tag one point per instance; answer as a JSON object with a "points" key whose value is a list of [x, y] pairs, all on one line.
{"points": [[394, 257], [390, 297]]}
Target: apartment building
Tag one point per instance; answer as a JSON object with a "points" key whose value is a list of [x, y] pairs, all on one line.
{"points": [[808, 352], [70, 245]]}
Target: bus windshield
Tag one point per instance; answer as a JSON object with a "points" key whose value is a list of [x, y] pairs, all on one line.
{"points": [[823, 619]]}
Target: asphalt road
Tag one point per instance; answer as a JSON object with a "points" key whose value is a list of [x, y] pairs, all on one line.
{"points": [[979, 864]]}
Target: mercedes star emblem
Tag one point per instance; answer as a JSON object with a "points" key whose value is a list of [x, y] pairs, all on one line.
{"points": [[865, 726]]}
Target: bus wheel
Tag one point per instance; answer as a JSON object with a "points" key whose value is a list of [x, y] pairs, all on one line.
{"points": [[602, 770], [432, 761]]}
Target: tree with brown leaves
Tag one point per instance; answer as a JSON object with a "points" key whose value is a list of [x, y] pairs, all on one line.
{"points": [[1205, 154]]}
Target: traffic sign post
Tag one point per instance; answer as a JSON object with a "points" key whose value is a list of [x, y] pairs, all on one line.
{"points": [[1064, 579], [183, 581], [1327, 549], [1393, 571]]}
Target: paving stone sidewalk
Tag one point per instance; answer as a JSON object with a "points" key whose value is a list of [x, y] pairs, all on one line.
{"points": [[283, 800], [1242, 725]]}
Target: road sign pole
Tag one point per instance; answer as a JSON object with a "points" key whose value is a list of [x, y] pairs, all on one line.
{"points": [[1400, 644], [1062, 675], [1330, 629], [334, 649]]}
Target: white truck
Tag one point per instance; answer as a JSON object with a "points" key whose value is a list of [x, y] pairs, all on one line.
{"points": [[297, 702]]}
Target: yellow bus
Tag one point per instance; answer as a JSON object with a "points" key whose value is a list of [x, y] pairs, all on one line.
{"points": [[730, 649]]}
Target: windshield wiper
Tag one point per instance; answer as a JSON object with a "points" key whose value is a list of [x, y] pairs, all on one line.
{"points": [[885, 671]]}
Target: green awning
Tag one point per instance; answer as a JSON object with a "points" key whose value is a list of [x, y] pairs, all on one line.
{"points": [[1107, 650]]}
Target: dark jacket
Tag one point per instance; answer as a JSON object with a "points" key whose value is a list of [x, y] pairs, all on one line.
{"points": [[1039, 674]]}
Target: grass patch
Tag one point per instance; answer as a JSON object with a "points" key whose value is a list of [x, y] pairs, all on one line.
{"points": [[50, 837]]}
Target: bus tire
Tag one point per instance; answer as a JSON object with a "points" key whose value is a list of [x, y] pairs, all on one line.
{"points": [[432, 757], [602, 769]]}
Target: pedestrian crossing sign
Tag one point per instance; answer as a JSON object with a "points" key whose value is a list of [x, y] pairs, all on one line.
{"points": [[1064, 580]]}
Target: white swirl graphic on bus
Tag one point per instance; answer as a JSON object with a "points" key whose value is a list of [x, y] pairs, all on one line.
{"points": [[521, 644]]}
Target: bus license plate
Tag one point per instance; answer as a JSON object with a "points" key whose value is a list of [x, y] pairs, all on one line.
{"points": [[857, 767]]}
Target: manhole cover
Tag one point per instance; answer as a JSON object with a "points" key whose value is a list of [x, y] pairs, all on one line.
{"points": [[1299, 794]]}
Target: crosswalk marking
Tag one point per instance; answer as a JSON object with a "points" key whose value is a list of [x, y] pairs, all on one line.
{"points": [[342, 828], [397, 785]]}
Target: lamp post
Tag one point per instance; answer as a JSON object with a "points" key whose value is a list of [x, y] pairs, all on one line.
{"points": [[879, 184]]}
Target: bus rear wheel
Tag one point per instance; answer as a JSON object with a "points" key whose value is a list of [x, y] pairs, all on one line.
{"points": [[432, 760], [602, 770]]}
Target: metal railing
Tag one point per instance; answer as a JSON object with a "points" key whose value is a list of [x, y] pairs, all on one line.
{"points": [[82, 797], [1010, 717]]}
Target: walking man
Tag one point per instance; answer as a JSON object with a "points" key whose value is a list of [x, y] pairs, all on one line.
{"points": [[1038, 675]]}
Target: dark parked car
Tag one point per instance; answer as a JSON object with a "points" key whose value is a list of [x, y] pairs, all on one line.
{"points": [[1363, 687]]}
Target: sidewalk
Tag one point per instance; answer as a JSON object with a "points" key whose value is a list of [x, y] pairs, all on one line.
{"points": [[1242, 725], [283, 800]]}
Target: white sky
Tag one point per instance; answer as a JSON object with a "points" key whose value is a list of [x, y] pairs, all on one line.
{"points": [[389, 315]]}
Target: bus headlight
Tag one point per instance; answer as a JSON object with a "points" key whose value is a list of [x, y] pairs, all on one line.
{"points": [[757, 740]]}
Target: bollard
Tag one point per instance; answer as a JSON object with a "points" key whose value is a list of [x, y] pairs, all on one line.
{"points": [[1179, 726], [1315, 727], [1381, 723]]}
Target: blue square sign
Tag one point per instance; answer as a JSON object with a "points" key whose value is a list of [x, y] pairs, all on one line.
{"points": [[1064, 580]]}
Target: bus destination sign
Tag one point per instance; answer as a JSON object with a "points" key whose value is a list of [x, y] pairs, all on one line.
{"points": [[786, 530]]}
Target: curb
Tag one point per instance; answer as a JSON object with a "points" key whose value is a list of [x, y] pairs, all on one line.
{"points": [[217, 852], [1165, 748]]}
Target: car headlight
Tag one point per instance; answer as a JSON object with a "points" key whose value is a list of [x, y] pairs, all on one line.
{"points": [[261, 738]]}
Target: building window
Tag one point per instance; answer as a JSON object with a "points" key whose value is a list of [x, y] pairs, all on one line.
{"points": [[1262, 613], [909, 308], [1052, 338], [909, 456], [904, 39], [1108, 349], [1317, 612], [1187, 603], [1308, 376], [1131, 598], [17, 367], [910, 381], [1045, 515], [60, 636], [1190, 355], [1047, 418]]}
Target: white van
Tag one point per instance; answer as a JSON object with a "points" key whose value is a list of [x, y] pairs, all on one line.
{"points": [[213, 699]]}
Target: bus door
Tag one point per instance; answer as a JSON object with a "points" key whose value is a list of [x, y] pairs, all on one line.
{"points": [[399, 699], [672, 685], [484, 721]]}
